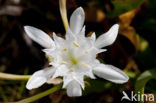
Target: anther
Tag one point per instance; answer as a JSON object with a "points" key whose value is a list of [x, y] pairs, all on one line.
{"points": [[71, 70], [76, 44], [65, 49], [84, 64], [86, 51], [63, 62]]}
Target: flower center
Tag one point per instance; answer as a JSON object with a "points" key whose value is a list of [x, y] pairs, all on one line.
{"points": [[73, 60]]}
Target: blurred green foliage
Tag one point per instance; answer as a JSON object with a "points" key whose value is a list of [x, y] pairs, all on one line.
{"points": [[122, 6]]}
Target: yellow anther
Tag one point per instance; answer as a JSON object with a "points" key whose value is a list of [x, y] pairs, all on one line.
{"points": [[63, 62], [65, 49], [86, 51], [84, 64], [71, 70], [76, 44]]}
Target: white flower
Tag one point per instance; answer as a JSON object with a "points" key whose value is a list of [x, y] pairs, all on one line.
{"points": [[75, 56]]}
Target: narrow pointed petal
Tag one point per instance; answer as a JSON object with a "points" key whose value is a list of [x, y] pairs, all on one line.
{"points": [[67, 79], [102, 50], [107, 38], [48, 51], [58, 40], [111, 73], [82, 32], [93, 36], [39, 36], [77, 20], [69, 35], [74, 89], [60, 71], [80, 79], [39, 78]]}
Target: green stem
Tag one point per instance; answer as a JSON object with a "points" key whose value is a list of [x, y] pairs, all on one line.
{"points": [[7, 76], [40, 95]]}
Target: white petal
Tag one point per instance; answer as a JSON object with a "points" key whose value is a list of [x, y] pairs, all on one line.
{"points": [[48, 51], [74, 89], [67, 79], [110, 73], [80, 79], [82, 32], [61, 71], [39, 78], [77, 20], [84, 71], [93, 36], [36, 82], [69, 35], [102, 50], [58, 40], [39, 36], [92, 39], [107, 38]]}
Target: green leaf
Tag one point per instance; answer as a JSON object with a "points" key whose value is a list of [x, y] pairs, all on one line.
{"points": [[146, 57], [131, 74], [122, 6], [100, 85], [143, 79]]}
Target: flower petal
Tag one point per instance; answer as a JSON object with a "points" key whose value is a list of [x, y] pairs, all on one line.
{"points": [[77, 20], [80, 79], [39, 36], [107, 38], [110, 73], [102, 50], [69, 35], [93, 36], [74, 89], [67, 79], [39, 78], [60, 71], [58, 40], [82, 32]]}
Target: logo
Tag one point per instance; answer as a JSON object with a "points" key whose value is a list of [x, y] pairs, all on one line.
{"points": [[137, 97]]}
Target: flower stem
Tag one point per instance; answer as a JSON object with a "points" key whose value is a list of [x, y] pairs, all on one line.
{"points": [[7, 76], [40, 95], [63, 12]]}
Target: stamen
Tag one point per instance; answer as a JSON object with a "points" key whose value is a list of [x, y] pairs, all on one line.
{"points": [[76, 44], [84, 64], [65, 49], [63, 62], [71, 70], [86, 51]]}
